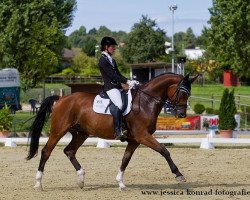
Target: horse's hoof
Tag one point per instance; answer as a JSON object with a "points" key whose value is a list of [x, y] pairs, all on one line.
{"points": [[38, 188], [80, 184], [180, 179], [123, 189]]}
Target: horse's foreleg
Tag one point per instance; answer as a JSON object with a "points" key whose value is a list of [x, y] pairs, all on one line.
{"points": [[77, 140], [130, 149], [151, 142]]}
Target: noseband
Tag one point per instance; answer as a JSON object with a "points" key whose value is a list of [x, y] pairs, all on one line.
{"points": [[175, 104]]}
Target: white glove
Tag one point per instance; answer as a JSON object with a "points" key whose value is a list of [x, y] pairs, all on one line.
{"points": [[132, 84]]}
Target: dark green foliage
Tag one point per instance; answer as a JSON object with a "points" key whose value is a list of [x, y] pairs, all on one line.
{"points": [[76, 38], [79, 39], [227, 111], [247, 109], [229, 34], [199, 108], [209, 110], [32, 36], [88, 41], [5, 118], [145, 42], [185, 39], [216, 112], [90, 46], [22, 122]]}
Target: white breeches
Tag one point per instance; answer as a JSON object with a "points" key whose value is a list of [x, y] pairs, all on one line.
{"points": [[115, 97]]}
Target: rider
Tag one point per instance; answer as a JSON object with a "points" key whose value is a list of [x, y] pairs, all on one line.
{"points": [[112, 82]]}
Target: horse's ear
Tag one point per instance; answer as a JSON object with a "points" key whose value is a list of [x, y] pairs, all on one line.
{"points": [[193, 79], [187, 76]]}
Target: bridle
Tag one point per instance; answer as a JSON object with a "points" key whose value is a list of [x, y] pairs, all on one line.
{"points": [[172, 105], [175, 104]]}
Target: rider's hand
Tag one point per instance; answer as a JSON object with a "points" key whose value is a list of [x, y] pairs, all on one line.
{"points": [[132, 83]]}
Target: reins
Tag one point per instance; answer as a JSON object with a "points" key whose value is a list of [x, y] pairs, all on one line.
{"points": [[158, 100], [139, 91]]}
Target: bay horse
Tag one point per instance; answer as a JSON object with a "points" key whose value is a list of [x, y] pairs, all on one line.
{"points": [[74, 113]]}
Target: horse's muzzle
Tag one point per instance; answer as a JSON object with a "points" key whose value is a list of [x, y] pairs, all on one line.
{"points": [[181, 115], [178, 113]]}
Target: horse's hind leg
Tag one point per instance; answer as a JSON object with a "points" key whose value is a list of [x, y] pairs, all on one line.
{"points": [[78, 137], [46, 151], [130, 149], [151, 142]]}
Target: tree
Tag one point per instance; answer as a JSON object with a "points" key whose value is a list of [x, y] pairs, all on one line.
{"points": [[92, 31], [183, 40], [227, 111], [104, 31], [145, 42], [89, 46], [203, 40], [82, 64], [204, 66], [80, 39], [189, 37], [32, 36], [88, 41], [121, 63], [229, 34], [76, 39]]}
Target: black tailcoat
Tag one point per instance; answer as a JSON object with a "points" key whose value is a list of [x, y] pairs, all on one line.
{"points": [[111, 76]]}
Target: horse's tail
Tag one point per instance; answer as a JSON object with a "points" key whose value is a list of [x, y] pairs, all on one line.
{"points": [[37, 126]]}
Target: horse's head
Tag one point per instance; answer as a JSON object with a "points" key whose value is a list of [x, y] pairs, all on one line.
{"points": [[178, 95]]}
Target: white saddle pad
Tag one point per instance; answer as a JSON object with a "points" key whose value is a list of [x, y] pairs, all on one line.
{"points": [[100, 105]]}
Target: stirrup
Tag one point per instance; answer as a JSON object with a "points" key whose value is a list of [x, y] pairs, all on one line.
{"points": [[121, 135]]}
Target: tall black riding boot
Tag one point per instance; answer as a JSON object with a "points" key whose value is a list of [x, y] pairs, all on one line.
{"points": [[117, 114]]}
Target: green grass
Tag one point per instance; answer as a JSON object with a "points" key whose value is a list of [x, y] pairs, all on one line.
{"points": [[22, 122], [215, 92], [37, 93], [209, 90]]}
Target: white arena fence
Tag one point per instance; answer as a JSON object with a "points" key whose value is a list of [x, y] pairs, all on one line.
{"points": [[206, 142]]}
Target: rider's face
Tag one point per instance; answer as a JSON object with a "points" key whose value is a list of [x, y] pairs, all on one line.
{"points": [[111, 49]]}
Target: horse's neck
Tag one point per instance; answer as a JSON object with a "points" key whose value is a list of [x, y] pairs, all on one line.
{"points": [[158, 86], [155, 93]]}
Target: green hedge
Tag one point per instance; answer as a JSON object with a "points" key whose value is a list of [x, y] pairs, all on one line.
{"points": [[199, 108]]}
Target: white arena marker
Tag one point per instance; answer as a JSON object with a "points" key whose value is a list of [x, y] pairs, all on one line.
{"points": [[205, 144], [102, 144], [10, 143]]}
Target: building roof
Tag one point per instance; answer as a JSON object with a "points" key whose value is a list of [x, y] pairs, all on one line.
{"points": [[67, 54]]}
